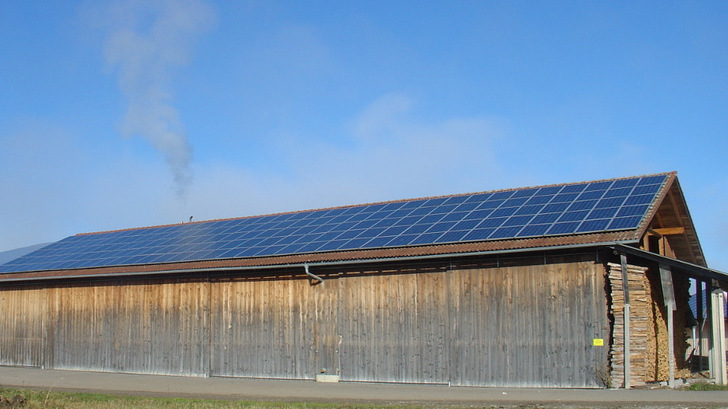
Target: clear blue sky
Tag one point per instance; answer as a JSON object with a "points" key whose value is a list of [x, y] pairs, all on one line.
{"points": [[125, 114]]}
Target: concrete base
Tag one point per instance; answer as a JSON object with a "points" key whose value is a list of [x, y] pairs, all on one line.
{"points": [[327, 378]]}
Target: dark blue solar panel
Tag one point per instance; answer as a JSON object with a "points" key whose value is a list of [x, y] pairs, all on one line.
{"points": [[505, 232], [530, 212], [651, 180], [441, 227], [619, 223], [556, 207], [576, 188], [545, 218], [632, 211], [539, 200], [501, 195], [623, 183], [582, 205], [518, 221], [573, 216], [402, 240], [478, 234], [603, 213], [534, 230], [563, 228], [504, 212], [493, 222], [593, 225]]}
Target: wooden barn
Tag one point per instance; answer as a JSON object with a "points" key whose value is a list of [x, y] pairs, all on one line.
{"points": [[574, 285]]}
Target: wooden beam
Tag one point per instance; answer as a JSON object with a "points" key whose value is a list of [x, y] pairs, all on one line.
{"points": [[701, 321], [668, 295], [717, 329], [625, 289], [685, 219], [670, 231]]}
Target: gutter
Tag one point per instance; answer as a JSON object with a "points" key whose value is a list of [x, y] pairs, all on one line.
{"points": [[305, 266]]}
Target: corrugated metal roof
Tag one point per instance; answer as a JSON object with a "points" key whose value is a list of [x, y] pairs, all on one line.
{"points": [[613, 210]]}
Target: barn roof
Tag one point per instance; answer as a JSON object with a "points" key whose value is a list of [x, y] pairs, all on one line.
{"points": [[605, 211]]}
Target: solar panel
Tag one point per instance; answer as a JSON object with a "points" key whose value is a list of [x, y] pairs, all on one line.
{"points": [[529, 212]]}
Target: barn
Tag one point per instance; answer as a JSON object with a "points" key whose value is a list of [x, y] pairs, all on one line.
{"points": [[572, 285]]}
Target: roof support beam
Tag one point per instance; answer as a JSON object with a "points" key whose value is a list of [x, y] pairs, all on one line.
{"points": [[717, 330], [670, 231], [701, 320], [668, 295]]}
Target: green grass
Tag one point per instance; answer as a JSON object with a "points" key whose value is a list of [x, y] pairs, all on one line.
{"points": [[50, 399], [66, 400], [705, 386]]}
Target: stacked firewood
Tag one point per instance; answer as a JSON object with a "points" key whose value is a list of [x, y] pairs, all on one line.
{"points": [[641, 328]]}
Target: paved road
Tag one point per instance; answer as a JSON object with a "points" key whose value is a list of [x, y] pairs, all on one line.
{"points": [[285, 390]]}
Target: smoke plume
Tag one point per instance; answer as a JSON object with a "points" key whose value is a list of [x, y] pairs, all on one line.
{"points": [[148, 40]]}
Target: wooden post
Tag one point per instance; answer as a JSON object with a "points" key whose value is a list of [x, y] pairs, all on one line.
{"points": [[625, 289], [718, 367], [668, 295], [709, 319], [700, 317]]}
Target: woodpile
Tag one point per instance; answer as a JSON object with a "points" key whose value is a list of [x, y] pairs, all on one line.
{"points": [[640, 327], [658, 345], [649, 349]]}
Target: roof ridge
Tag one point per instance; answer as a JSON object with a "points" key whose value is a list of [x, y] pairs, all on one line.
{"points": [[373, 203]]}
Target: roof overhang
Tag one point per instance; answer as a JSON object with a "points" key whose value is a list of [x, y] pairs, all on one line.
{"points": [[679, 265]]}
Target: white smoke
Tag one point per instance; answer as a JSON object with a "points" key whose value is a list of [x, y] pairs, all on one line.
{"points": [[148, 39]]}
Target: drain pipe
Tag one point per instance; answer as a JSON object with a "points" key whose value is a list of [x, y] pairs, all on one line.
{"points": [[313, 276]]}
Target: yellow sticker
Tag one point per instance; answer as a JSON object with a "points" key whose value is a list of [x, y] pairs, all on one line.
{"points": [[598, 342]]}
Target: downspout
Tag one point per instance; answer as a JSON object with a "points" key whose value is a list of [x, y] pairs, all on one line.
{"points": [[318, 279]]}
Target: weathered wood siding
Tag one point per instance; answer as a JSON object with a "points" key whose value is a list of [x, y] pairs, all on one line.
{"points": [[529, 326], [148, 327], [394, 328], [22, 315], [508, 326], [526, 324], [265, 328]]}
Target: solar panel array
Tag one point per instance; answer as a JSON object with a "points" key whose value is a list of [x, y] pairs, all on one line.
{"points": [[610, 205]]}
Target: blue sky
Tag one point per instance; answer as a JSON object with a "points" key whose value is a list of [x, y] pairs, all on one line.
{"points": [[125, 114]]}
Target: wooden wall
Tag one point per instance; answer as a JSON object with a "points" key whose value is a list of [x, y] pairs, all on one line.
{"points": [[515, 324], [22, 318], [145, 327]]}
